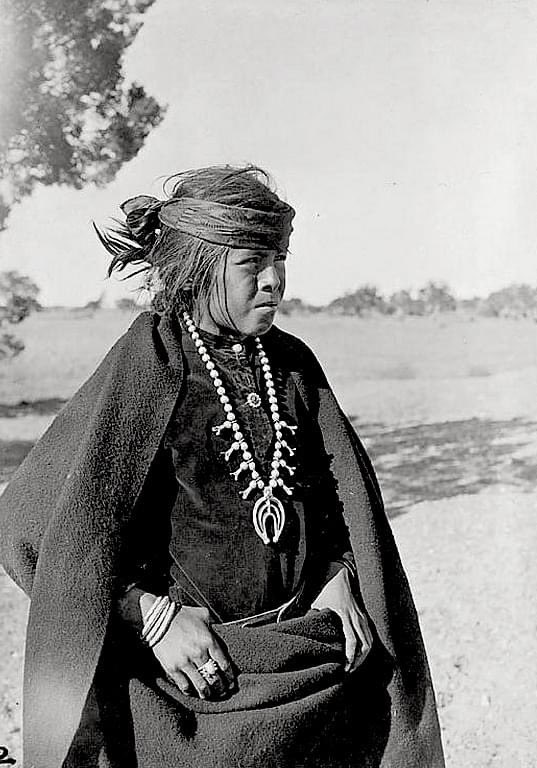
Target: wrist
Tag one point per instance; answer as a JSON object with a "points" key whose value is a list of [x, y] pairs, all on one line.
{"points": [[135, 605], [158, 615]]}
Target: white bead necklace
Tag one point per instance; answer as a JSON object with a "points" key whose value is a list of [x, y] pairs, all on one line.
{"points": [[267, 508]]}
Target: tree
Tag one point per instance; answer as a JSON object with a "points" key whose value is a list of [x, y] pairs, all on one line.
{"points": [[292, 305], [18, 297], [517, 300], [89, 309], [126, 304], [437, 297], [403, 303], [363, 300], [66, 114], [94, 304]]}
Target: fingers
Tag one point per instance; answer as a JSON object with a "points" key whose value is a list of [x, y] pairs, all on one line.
{"points": [[202, 688], [358, 640], [191, 681], [219, 678], [217, 653], [192, 656], [180, 680], [367, 633], [351, 645]]}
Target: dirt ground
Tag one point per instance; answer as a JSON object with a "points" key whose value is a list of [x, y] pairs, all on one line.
{"points": [[471, 564]]}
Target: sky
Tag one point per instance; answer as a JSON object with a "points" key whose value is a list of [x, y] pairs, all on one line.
{"points": [[404, 134]]}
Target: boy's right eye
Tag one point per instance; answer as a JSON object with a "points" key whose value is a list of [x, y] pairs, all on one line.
{"points": [[251, 260]]}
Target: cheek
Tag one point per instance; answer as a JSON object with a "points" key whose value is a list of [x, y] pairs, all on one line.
{"points": [[242, 292]]}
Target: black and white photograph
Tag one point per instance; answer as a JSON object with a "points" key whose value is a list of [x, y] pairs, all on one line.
{"points": [[268, 376]]}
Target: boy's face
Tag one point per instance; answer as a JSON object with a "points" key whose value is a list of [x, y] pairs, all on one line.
{"points": [[248, 289]]}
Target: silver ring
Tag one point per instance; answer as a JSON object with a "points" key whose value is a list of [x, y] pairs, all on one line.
{"points": [[210, 671]]}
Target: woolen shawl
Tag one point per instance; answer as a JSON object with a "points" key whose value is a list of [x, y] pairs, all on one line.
{"points": [[64, 516]]}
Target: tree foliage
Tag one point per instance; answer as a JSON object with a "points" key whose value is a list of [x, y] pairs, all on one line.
{"points": [[403, 303], [437, 297], [127, 304], [363, 300], [18, 297], [293, 305], [66, 114], [517, 300]]}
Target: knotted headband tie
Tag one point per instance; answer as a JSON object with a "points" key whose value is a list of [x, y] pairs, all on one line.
{"points": [[213, 222]]}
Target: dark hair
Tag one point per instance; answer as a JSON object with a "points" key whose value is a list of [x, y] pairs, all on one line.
{"points": [[181, 269]]}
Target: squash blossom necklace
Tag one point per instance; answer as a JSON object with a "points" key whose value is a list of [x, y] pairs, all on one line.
{"points": [[268, 509]]}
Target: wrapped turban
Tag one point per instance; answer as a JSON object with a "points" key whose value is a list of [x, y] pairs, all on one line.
{"points": [[213, 222]]}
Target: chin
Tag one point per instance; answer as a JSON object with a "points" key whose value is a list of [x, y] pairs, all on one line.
{"points": [[256, 323], [263, 326], [257, 329]]}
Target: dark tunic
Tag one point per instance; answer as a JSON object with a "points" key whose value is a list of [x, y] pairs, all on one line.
{"points": [[201, 521]]}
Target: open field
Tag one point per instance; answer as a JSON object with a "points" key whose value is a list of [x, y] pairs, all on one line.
{"points": [[447, 408]]}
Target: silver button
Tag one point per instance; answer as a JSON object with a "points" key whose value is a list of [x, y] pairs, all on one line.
{"points": [[237, 348]]}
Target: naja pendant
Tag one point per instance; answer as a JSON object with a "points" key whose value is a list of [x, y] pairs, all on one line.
{"points": [[268, 507]]}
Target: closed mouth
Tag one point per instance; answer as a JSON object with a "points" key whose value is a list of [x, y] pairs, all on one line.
{"points": [[271, 304]]}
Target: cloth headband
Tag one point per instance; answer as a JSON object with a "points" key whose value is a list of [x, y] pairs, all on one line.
{"points": [[213, 222]]}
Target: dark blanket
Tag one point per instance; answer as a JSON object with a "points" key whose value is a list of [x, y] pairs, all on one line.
{"points": [[294, 706], [63, 522]]}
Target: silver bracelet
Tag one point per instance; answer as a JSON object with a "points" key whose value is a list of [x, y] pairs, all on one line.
{"points": [[154, 614], [158, 620]]}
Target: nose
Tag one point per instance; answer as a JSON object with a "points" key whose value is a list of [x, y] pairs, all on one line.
{"points": [[269, 279]]}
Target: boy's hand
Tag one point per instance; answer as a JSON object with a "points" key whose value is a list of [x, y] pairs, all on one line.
{"points": [[337, 596]]}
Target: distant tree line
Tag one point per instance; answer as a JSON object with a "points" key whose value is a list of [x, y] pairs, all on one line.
{"points": [[516, 301], [436, 297]]}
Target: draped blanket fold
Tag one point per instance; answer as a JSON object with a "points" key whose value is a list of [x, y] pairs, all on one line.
{"points": [[63, 521], [294, 704]]}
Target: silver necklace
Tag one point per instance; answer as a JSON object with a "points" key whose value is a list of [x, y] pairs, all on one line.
{"points": [[267, 508]]}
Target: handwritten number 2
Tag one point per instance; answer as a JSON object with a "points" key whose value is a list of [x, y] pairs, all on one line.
{"points": [[5, 759]]}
